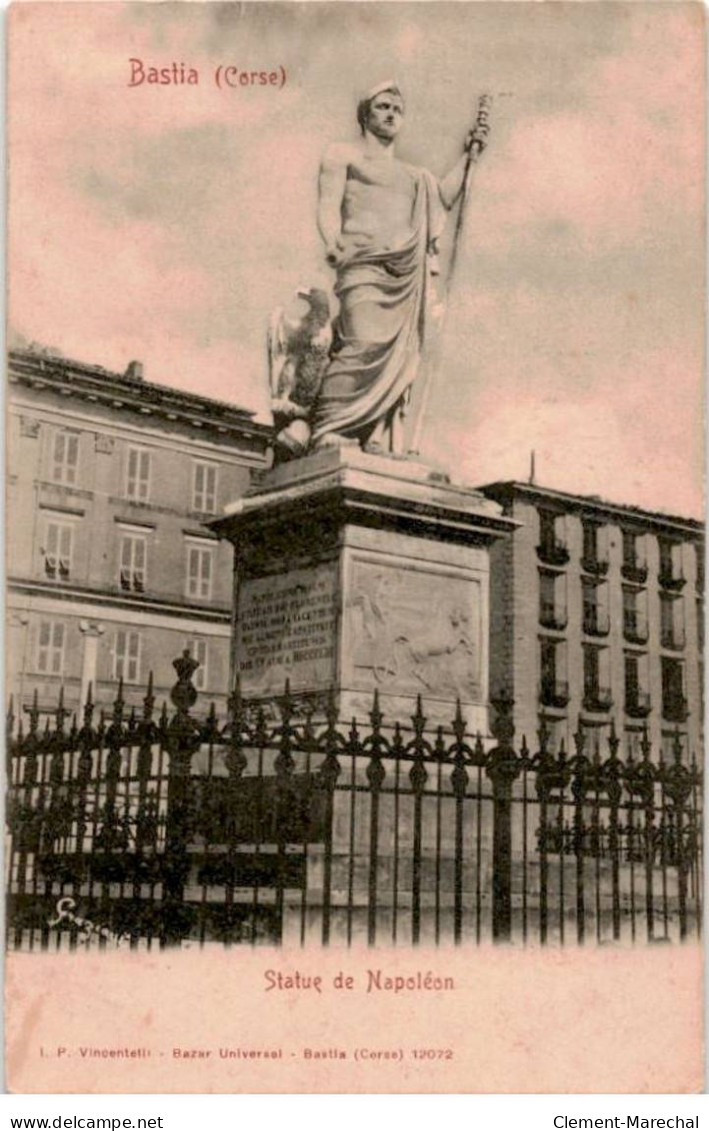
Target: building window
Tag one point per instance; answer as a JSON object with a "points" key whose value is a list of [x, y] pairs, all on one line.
{"points": [[596, 679], [674, 702], [594, 558], [634, 742], [671, 742], [634, 615], [554, 730], [596, 618], [204, 488], [138, 474], [57, 550], [634, 567], [134, 554], [595, 741], [552, 546], [553, 688], [199, 570], [126, 656], [199, 650], [65, 457], [637, 697], [699, 551], [50, 647], [671, 622], [670, 575], [552, 600]]}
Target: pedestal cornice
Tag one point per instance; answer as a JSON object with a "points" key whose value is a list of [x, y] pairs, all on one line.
{"points": [[349, 485]]}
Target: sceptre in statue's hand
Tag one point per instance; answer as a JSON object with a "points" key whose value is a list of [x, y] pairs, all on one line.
{"points": [[475, 143]]}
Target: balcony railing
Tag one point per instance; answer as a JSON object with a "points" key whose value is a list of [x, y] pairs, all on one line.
{"points": [[674, 708], [595, 565], [673, 638], [554, 692], [596, 622], [551, 617], [553, 553], [638, 704], [634, 570], [132, 581], [597, 699], [635, 628], [668, 579], [56, 568]]}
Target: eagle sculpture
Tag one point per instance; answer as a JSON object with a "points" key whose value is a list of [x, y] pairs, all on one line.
{"points": [[299, 341]]}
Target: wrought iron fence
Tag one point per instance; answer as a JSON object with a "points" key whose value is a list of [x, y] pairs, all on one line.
{"points": [[293, 827]]}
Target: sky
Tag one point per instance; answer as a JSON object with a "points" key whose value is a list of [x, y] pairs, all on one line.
{"points": [[164, 223]]}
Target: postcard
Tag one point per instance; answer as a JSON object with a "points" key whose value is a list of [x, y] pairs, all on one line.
{"points": [[355, 547]]}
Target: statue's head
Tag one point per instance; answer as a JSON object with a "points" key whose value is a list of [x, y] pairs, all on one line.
{"points": [[381, 111]]}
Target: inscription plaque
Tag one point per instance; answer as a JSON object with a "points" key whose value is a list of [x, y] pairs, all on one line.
{"points": [[286, 629]]}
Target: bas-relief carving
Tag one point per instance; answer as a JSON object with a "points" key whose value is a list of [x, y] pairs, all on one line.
{"points": [[415, 632]]}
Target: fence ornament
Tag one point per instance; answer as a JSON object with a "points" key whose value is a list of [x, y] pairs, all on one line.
{"points": [[184, 693]]}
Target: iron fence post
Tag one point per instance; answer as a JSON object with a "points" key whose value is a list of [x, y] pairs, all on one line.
{"points": [[375, 777], [182, 741], [503, 767], [679, 788], [418, 776], [459, 783], [327, 776]]}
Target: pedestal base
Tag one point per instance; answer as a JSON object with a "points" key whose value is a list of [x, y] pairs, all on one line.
{"points": [[363, 574]]}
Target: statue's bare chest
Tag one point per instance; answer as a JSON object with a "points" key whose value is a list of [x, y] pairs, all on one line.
{"points": [[391, 176]]}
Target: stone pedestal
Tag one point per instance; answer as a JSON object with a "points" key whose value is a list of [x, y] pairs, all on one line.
{"points": [[361, 573]]}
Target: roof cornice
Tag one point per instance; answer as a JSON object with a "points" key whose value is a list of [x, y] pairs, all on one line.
{"points": [[594, 507], [129, 394]]}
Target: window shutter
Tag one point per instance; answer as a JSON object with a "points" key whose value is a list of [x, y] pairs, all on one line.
{"points": [[604, 667], [602, 598], [560, 599], [603, 543]]}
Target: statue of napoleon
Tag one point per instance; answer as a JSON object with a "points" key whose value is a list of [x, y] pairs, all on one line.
{"points": [[380, 220]]}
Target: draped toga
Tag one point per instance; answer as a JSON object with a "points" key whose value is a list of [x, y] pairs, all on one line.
{"points": [[369, 374]]}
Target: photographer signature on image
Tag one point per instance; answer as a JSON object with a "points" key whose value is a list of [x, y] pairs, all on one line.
{"points": [[87, 929]]}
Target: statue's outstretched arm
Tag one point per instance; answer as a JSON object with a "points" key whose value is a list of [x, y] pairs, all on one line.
{"points": [[331, 190], [451, 185]]}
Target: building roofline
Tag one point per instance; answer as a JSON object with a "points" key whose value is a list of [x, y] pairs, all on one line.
{"points": [[124, 391], [74, 593], [593, 505]]}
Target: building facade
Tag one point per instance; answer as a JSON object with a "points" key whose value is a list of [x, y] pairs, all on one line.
{"points": [[597, 616], [111, 570]]}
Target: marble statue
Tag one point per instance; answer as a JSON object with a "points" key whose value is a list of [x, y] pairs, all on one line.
{"points": [[380, 219]]}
